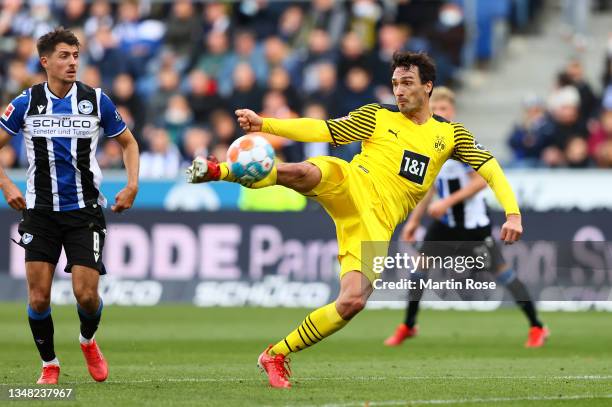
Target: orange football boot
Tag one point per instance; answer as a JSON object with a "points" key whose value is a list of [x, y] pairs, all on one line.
{"points": [[96, 364], [402, 333], [537, 337], [276, 367], [49, 375]]}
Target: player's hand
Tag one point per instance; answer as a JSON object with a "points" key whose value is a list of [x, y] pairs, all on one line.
{"points": [[409, 231], [124, 199], [13, 196], [437, 209], [512, 230], [248, 120]]}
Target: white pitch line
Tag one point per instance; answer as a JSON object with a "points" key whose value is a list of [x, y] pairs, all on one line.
{"points": [[345, 378], [464, 401]]}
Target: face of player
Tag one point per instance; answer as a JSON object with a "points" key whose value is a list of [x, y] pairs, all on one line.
{"points": [[410, 94], [443, 108], [62, 64]]}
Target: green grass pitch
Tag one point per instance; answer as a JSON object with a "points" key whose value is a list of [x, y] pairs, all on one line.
{"points": [[181, 355]]}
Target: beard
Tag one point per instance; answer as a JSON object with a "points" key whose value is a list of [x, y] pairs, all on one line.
{"points": [[411, 107], [68, 79]]}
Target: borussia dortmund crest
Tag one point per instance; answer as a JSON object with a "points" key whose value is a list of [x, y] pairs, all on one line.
{"points": [[439, 144]]}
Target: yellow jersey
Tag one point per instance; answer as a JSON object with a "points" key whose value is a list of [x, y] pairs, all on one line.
{"points": [[402, 157]]}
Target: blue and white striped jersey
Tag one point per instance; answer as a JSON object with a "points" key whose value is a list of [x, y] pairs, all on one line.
{"points": [[61, 137], [469, 214]]}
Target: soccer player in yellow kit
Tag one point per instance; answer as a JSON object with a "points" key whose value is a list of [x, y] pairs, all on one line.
{"points": [[403, 149]]}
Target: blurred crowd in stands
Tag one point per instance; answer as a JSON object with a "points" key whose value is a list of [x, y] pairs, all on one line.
{"points": [[573, 128], [177, 69]]}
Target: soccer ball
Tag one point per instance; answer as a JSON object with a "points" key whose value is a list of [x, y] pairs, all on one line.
{"points": [[250, 158]]}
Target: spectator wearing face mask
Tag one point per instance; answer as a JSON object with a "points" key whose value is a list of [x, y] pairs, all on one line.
{"points": [[447, 37], [527, 138], [163, 159], [177, 118], [567, 137]]}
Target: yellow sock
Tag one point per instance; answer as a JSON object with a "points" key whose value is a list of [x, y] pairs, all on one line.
{"points": [[319, 324], [269, 180]]}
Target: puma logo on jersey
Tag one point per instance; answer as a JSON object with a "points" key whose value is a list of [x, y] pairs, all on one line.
{"points": [[395, 133]]}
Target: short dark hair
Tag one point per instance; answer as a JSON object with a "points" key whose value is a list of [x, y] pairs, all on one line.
{"points": [[47, 43], [426, 65]]}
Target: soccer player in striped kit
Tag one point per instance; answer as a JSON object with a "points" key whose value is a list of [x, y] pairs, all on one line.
{"points": [[61, 120], [460, 215]]}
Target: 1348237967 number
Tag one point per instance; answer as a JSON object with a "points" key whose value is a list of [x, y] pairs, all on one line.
{"points": [[56, 393]]}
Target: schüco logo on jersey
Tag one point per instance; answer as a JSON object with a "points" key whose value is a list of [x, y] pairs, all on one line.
{"points": [[66, 122]]}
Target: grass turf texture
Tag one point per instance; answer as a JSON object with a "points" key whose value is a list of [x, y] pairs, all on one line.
{"points": [[181, 355]]}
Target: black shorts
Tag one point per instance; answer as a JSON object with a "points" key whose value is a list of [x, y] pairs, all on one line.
{"points": [[81, 232], [441, 240]]}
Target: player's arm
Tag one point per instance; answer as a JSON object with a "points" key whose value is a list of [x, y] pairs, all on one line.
{"points": [[414, 219], [468, 151], [131, 159], [12, 194], [358, 125], [114, 127], [10, 124], [477, 183]]}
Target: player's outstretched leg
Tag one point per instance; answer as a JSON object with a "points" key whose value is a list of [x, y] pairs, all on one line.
{"points": [[409, 329], [538, 333], [355, 289], [301, 177], [89, 309], [210, 169], [40, 275]]}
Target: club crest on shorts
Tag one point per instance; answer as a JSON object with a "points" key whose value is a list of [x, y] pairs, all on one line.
{"points": [[439, 144], [85, 107], [26, 238]]}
